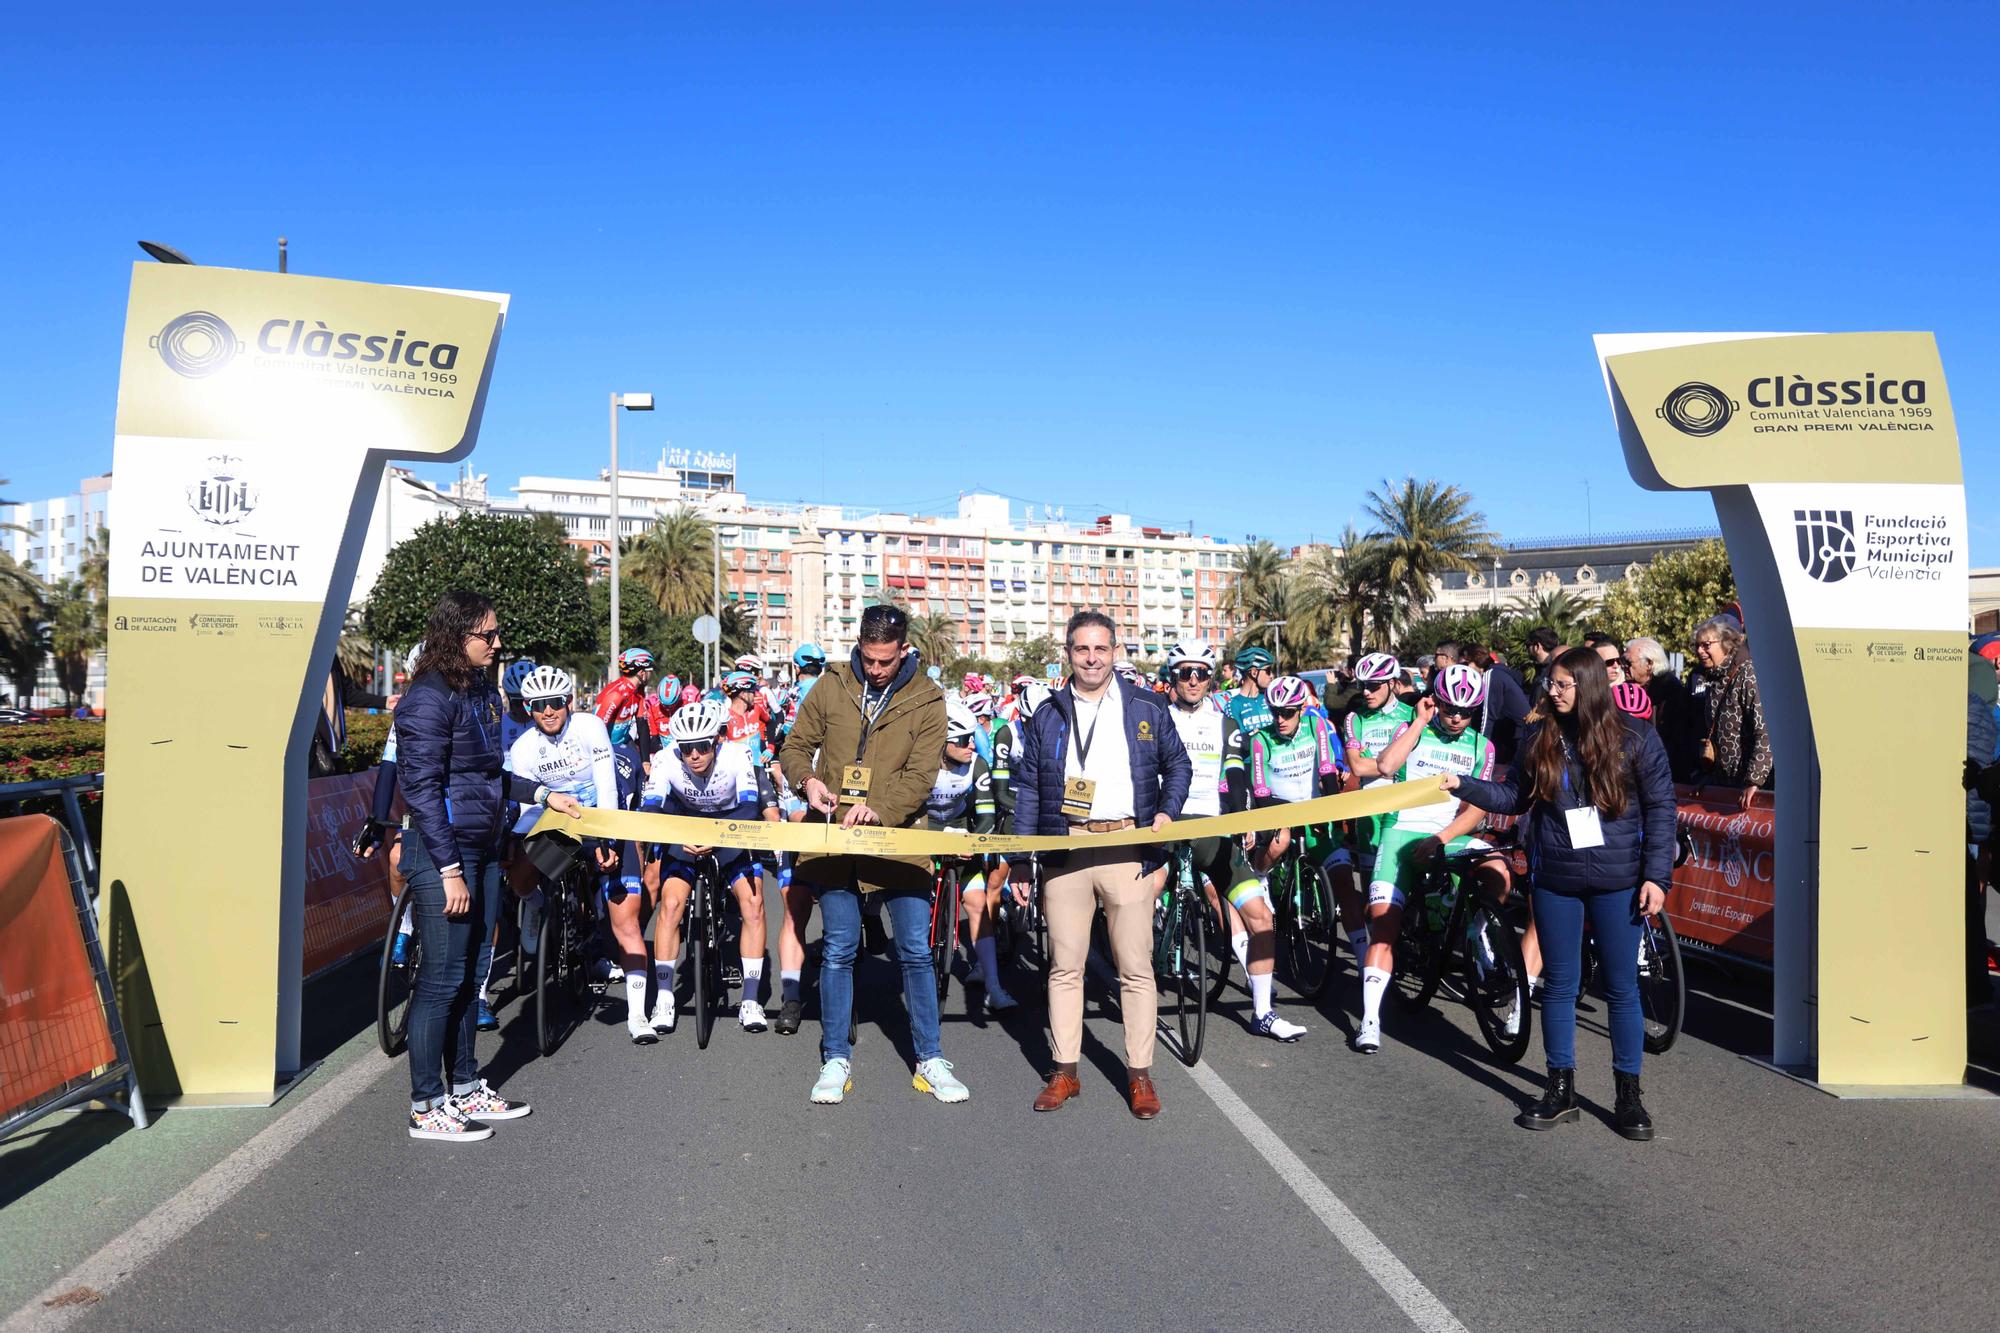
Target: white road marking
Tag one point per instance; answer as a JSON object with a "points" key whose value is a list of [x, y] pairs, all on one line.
{"points": [[124, 1255], [1416, 1300]]}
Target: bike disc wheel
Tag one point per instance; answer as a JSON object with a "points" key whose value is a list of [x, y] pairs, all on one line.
{"points": [[394, 982], [1662, 984], [549, 995], [1497, 990]]}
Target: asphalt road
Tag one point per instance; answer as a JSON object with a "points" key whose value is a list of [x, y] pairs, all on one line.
{"points": [[671, 1187]]}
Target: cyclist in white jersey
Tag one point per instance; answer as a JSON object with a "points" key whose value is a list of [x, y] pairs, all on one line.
{"points": [[568, 753], [703, 776]]}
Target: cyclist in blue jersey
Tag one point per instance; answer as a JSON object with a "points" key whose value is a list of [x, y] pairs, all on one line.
{"points": [[1257, 669]]}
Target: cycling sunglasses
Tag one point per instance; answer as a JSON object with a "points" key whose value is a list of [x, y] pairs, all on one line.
{"points": [[1192, 673], [1286, 712], [1453, 710], [544, 705], [694, 747]]}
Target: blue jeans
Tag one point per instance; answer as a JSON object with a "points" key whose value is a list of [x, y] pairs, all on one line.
{"points": [[1614, 919], [443, 1016], [910, 919]]}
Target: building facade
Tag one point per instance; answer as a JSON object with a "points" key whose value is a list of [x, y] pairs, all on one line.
{"points": [[49, 536], [1583, 567]]}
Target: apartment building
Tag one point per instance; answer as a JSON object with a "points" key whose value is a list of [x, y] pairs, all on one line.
{"points": [[49, 535]]}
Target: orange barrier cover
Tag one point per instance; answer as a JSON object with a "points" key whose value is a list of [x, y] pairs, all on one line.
{"points": [[52, 1023]]}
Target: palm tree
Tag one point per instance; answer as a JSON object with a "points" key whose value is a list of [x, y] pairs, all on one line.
{"points": [[1337, 601], [73, 637], [1555, 608], [1425, 530], [934, 635], [674, 561], [1256, 596], [739, 631], [24, 618]]}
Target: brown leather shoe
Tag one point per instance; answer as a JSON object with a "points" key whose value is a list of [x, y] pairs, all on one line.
{"points": [[1145, 1097], [1060, 1088]]}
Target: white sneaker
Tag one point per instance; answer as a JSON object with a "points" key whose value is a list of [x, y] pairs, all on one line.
{"points": [[833, 1084], [1279, 1029], [444, 1124], [663, 1012], [482, 1103], [751, 1015], [1368, 1039], [935, 1077], [640, 1030]]}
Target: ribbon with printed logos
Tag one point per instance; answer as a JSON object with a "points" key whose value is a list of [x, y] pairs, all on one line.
{"points": [[818, 838]]}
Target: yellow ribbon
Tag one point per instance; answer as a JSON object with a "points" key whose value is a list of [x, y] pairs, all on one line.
{"points": [[817, 838]]}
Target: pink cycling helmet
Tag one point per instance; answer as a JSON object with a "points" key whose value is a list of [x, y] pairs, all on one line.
{"points": [[1287, 692], [1460, 686], [1632, 698]]}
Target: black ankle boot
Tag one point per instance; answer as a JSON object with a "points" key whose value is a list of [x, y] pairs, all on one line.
{"points": [[1558, 1103], [1630, 1118]]}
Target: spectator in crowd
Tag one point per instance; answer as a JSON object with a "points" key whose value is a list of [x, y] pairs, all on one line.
{"points": [[1506, 704], [330, 727], [1543, 645], [1982, 787], [1599, 825], [1098, 757], [1607, 648], [1675, 712], [1736, 751]]}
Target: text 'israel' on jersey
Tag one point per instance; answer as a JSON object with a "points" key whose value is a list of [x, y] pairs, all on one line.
{"points": [[731, 781]]}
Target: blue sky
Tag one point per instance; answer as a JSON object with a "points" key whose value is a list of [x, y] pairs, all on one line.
{"points": [[1227, 263]]}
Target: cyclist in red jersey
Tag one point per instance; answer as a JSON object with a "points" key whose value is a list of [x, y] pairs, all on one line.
{"points": [[626, 706], [749, 716]]}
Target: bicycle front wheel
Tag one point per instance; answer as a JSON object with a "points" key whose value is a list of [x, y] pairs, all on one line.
{"points": [[1310, 926], [551, 1000], [706, 967], [395, 981], [1496, 984], [1662, 984], [1191, 964], [944, 930]]}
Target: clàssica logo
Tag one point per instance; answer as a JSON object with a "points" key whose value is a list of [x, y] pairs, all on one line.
{"points": [[196, 344], [222, 497], [1826, 542], [1697, 409]]}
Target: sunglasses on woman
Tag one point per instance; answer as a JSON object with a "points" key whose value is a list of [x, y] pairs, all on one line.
{"points": [[490, 636]]}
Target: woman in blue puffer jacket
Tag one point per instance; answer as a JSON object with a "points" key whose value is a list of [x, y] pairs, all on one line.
{"points": [[1600, 834], [449, 763]]}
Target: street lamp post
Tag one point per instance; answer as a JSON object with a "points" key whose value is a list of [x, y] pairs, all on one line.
{"points": [[631, 402], [1278, 649]]}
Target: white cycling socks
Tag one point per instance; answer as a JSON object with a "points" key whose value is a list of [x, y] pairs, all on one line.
{"points": [[1260, 993], [1373, 982], [635, 994], [1239, 944], [663, 976]]}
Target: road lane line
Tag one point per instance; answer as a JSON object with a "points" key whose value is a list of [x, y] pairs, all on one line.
{"points": [[1416, 1300], [139, 1244]]}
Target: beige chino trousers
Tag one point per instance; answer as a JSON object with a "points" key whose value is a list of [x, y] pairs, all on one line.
{"points": [[1070, 897]]}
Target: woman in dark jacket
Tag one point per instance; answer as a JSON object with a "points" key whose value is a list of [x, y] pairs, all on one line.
{"points": [[1600, 836], [449, 763]]}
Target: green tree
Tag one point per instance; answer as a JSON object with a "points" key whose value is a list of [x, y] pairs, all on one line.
{"points": [[537, 583], [1030, 658], [1338, 601], [1670, 596], [1424, 530], [73, 636], [641, 624], [1257, 595], [1553, 608], [673, 559], [935, 635]]}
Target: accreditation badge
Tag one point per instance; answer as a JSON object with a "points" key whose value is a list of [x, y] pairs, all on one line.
{"points": [[854, 784], [1078, 796]]}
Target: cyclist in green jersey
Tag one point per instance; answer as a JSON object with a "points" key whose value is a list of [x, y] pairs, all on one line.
{"points": [[1439, 739], [1378, 714], [1246, 705]]}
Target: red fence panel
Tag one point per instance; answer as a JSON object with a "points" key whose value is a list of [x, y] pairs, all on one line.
{"points": [[53, 1028]]}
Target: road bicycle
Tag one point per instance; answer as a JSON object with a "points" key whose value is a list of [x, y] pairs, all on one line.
{"points": [[1464, 944], [1308, 923], [944, 920], [1662, 980], [565, 938], [395, 978], [1180, 953], [704, 931]]}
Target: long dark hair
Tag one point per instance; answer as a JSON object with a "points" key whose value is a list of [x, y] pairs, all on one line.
{"points": [[1593, 729], [453, 619]]}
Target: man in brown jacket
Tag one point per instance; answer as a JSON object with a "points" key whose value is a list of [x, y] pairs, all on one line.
{"points": [[865, 749]]}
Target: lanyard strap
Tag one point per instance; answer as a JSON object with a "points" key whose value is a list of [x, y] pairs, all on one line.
{"points": [[1083, 738]]}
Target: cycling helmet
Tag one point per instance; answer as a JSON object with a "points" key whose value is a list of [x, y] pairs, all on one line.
{"points": [[1127, 670], [960, 726], [808, 654], [1987, 646], [750, 662], [547, 682], [690, 694], [1023, 681], [1376, 668], [516, 672], [1250, 659], [1633, 699], [410, 660], [635, 659], [1460, 686], [1033, 695], [973, 682], [738, 680], [670, 689], [702, 720], [1287, 692], [981, 704], [1192, 652]]}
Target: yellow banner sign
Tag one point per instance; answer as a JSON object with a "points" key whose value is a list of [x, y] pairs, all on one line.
{"points": [[831, 839]]}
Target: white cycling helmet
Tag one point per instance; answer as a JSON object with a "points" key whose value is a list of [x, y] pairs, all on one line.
{"points": [[1033, 695], [960, 725], [1460, 686], [1287, 692], [1378, 667], [702, 720], [545, 682], [410, 659], [516, 672], [981, 704], [750, 662], [1191, 652]]}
